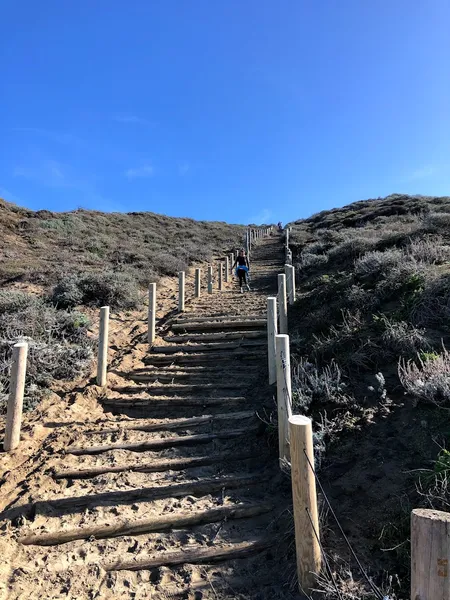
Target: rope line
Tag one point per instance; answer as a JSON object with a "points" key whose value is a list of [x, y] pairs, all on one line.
{"points": [[374, 589], [324, 556]]}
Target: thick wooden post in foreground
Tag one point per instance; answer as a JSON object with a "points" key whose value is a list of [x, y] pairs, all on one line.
{"points": [[151, 313], [304, 497], [102, 363], [181, 288], [284, 393], [227, 270], [430, 555], [210, 280], [271, 333], [219, 273], [15, 400], [282, 303]]}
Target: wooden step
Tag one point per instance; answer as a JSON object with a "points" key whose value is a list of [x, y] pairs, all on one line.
{"points": [[205, 337], [174, 402], [148, 525], [162, 443], [203, 359], [160, 425], [205, 325], [155, 466], [215, 317], [189, 378], [217, 553], [158, 491], [169, 389], [199, 348]]}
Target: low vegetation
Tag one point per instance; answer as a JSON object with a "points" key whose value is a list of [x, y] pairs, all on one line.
{"points": [[369, 334], [54, 264]]}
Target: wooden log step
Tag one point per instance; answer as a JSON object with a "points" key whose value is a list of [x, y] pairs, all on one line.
{"points": [[189, 378], [162, 443], [149, 525], [175, 402], [192, 318], [198, 348], [166, 390], [185, 369], [202, 359], [154, 466], [205, 337], [159, 425], [194, 556], [205, 325], [145, 494]]}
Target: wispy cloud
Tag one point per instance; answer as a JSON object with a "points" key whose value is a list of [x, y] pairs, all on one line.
{"points": [[264, 216], [131, 120], [143, 171], [48, 172], [423, 172], [184, 168]]}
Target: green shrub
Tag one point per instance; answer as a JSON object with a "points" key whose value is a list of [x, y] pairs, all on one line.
{"points": [[67, 292], [117, 290]]}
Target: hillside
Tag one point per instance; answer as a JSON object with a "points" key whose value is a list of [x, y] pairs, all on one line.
{"points": [[369, 334], [55, 265]]}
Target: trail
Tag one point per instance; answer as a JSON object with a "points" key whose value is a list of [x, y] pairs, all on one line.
{"points": [[175, 492]]}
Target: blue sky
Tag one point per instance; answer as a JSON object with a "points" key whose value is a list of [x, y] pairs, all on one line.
{"points": [[236, 110]]}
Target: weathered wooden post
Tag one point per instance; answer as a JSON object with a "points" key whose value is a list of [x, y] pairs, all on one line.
{"points": [[284, 393], [15, 399], [430, 555], [210, 280], [294, 295], [151, 313], [271, 333], [287, 238], [102, 363], [197, 283], [227, 270], [282, 303], [287, 272], [290, 283], [181, 288], [304, 496], [219, 272]]}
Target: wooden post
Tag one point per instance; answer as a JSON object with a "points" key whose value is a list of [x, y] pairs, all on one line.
{"points": [[304, 497], [294, 295], [271, 333], [197, 284], [219, 273], [282, 303], [287, 238], [181, 287], [227, 270], [287, 272], [15, 400], [284, 393], [430, 555], [151, 313], [210, 280], [102, 363]]}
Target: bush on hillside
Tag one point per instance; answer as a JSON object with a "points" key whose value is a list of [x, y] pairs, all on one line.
{"points": [[427, 378], [313, 384], [59, 347], [374, 264], [115, 289]]}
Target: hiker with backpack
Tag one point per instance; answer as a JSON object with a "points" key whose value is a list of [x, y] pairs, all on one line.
{"points": [[242, 268]]}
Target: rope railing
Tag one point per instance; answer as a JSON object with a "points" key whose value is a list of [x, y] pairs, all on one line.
{"points": [[296, 452]]}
